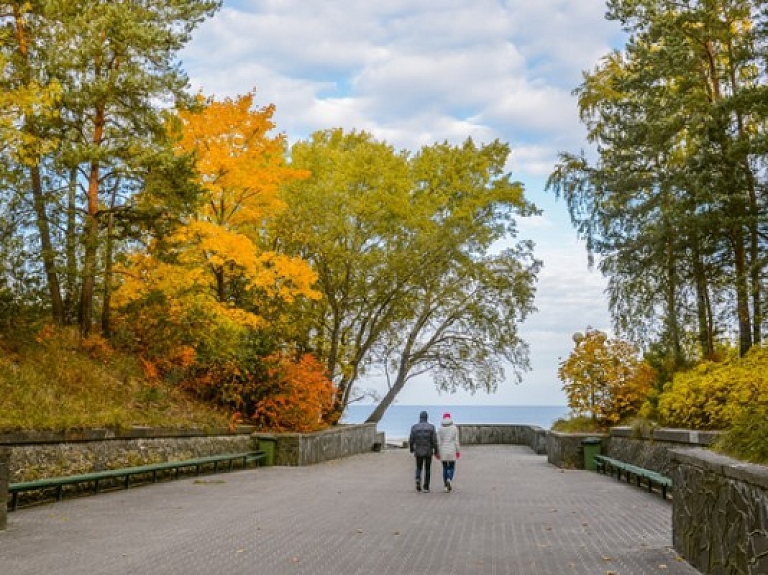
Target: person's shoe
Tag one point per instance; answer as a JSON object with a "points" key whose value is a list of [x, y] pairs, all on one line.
{"points": [[425, 490], [418, 485], [448, 486]]}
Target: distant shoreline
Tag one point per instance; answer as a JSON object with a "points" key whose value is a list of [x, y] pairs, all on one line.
{"points": [[429, 406], [398, 419]]}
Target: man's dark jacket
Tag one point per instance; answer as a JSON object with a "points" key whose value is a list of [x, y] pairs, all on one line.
{"points": [[423, 440]]}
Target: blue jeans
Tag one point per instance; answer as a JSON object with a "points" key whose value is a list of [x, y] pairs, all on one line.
{"points": [[424, 462], [449, 467]]}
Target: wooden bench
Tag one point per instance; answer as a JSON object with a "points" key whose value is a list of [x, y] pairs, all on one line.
{"points": [[605, 464], [125, 474]]}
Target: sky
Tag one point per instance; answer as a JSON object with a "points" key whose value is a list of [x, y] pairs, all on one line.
{"points": [[416, 72]]}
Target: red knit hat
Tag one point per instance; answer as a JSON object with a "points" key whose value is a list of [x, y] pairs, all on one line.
{"points": [[446, 415]]}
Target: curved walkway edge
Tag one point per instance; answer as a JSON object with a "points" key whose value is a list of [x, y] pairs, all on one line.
{"points": [[510, 512]]}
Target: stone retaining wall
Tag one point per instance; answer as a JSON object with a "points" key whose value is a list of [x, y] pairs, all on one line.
{"points": [[645, 448], [36, 456], [533, 436], [5, 458], [651, 448], [720, 513], [299, 449], [565, 450]]}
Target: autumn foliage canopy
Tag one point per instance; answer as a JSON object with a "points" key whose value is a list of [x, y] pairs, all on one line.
{"points": [[204, 303], [604, 378]]}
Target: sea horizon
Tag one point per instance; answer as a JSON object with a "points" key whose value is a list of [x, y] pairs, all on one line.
{"points": [[398, 419]]}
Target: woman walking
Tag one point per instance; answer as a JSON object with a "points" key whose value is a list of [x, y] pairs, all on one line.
{"points": [[448, 441]]}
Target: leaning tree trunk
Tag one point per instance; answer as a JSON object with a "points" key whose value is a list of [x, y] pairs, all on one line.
{"points": [[397, 387], [384, 404]]}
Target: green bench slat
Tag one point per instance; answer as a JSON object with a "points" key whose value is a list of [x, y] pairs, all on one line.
{"points": [[127, 472], [605, 463]]}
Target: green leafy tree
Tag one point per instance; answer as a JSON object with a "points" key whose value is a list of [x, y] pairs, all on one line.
{"points": [[343, 220], [84, 154], [28, 104], [672, 205], [405, 251]]}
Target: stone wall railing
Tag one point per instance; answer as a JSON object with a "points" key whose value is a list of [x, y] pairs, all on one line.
{"points": [[645, 448], [5, 459], [533, 436], [651, 448], [296, 449], [299, 449], [41, 455], [720, 513], [565, 450]]}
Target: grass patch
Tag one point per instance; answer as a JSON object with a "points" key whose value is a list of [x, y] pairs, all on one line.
{"points": [[747, 438], [578, 424], [58, 382]]}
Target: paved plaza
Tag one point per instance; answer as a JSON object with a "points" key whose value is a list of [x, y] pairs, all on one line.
{"points": [[510, 513]]}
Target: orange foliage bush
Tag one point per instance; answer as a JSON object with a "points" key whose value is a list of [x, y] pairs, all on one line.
{"points": [[97, 347], [277, 392], [300, 395]]}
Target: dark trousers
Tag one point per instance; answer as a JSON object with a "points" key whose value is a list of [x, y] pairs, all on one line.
{"points": [[449, 467], [424, 462]]}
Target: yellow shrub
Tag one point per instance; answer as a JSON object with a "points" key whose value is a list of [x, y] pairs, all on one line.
{"points": [[713, 394]]}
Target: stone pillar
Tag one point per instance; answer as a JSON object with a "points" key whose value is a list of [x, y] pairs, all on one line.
{"points": [[565, 450], [5, 477]]}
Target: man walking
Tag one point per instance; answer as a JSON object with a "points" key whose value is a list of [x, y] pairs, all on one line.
{"points": [[423, 445]]}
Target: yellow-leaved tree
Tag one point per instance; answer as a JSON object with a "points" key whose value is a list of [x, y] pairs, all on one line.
{"points": [[208, 295], [241, 168], [604, 378]]}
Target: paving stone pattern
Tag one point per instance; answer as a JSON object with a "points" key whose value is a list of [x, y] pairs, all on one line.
{"points": [[510, 513]]}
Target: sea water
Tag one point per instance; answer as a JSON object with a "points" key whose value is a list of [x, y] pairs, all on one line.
{"points": [[398, 419]]}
